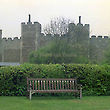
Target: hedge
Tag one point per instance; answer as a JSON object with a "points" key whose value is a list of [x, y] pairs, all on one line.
{"points": [[95, 79]]}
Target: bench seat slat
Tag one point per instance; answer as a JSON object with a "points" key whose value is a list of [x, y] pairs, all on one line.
{"points": [[53, 91]]}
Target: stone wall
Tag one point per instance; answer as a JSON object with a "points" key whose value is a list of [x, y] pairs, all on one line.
{"points": [[10, 50], [18, 50], [98, 47]]}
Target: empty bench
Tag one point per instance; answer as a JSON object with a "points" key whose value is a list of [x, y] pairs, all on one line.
{"points": [[42, 85]]}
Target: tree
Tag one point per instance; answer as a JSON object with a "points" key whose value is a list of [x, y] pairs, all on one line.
{"points": [[60, 47], [58, 51], [57, 26]]}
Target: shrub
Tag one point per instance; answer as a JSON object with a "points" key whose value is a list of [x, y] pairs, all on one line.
{"points": [[94, 78]]}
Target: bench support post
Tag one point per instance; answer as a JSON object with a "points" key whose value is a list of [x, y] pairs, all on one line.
{"points": [[80, 93], [30, 95]]}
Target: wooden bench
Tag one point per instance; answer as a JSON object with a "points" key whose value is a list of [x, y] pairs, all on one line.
{"points": [[41, 85]]}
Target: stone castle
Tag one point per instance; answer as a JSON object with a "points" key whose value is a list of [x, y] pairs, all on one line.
{"points": [[17, 50]]}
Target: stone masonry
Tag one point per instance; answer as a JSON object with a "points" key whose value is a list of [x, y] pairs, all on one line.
{"points": [[18, 50]]}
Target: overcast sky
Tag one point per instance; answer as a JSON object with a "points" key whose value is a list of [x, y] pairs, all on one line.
{"points": [[93, 12]]}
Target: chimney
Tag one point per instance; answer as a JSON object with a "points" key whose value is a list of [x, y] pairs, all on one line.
{"points": [[79, 19], [29, 20]]}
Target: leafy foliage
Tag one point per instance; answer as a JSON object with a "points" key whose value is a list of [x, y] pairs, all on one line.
{"points": [[59, 51], [95, 79]]}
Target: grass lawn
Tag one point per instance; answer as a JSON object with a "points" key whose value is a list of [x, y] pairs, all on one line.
{"points": [[55, 103]]}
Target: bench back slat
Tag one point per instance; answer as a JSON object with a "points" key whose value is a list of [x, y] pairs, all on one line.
{"points": [[46, 84], [36, 85], [50, 84]]}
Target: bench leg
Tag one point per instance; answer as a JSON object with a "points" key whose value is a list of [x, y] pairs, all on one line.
{"points": [[80, 93], [30, 95]]}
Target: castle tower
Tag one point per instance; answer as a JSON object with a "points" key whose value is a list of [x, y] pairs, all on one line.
{"points": [[30, 32], [82, 31], [82, 37]]}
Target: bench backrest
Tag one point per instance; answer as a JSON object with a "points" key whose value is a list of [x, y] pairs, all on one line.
{"points": [[51, 84]]}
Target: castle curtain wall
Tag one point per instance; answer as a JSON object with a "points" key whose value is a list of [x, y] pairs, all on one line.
{"points": [[11, 50], [18, 50]]}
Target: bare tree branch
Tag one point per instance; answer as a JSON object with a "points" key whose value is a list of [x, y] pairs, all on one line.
{"points": [[57, 26]]}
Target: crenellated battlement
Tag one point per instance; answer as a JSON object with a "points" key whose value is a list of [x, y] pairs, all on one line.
{"points": [[99, 37], [11, 39], [9, 43], [106, 37], [29, 23], [18, 49], [79, 25]]}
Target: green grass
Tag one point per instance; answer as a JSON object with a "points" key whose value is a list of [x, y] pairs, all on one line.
{"points": [[55, 103]]}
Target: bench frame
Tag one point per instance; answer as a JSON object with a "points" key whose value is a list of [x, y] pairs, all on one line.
{"points": [[50, 85]]}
